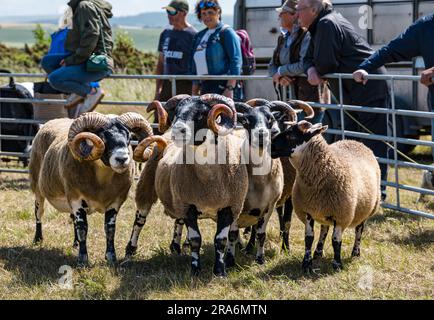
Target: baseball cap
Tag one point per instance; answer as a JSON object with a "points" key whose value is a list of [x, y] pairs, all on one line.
{"points": [[179, 5]]}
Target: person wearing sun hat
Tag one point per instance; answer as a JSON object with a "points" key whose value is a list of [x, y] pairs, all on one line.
{"points": [[174, 49]]}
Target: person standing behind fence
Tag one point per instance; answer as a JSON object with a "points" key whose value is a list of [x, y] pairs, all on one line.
{"points": [[216, 51], [417, 40], [337, 48], [288, 56], [90, 34], [174, 49]]}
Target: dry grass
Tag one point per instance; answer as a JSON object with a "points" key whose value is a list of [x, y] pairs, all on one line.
{"points": [[397, 249]]}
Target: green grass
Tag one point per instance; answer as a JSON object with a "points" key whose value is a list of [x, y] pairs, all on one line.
{"points": [[16, 36]]}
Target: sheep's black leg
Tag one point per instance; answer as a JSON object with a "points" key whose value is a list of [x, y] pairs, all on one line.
{"points": [[285, 225], [250, 247], [358, 239], [39, 211], [337, 244], [139, 222], [195, 239], [224, 221], [261, 236], [175, 246], [308, 240], [247, 231], [110, 230], [320, 246], [81, 227], [234, 235], [75, 243]]}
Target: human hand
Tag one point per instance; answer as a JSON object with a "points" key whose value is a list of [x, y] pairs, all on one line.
{"points": [[426, 77], [276, 77], [286, 81], [360, 76], [313, 77], [228, 93]]}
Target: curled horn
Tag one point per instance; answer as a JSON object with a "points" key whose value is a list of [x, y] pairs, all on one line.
{"points": [[216, 111], [80, 132], [136, 124], [258, 102], [166, 113], [146, 147], [286, 109], [242, 107], [228, 119], [298, 104]]}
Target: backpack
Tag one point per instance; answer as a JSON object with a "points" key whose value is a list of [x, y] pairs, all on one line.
{"points": [[16, 111], [249, 60], [58, 40]]}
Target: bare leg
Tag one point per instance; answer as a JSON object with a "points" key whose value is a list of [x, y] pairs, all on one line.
{"points": [[139, 222], [110, 230], [234, 235], [39, 212], [80, 210], [175, 246]]}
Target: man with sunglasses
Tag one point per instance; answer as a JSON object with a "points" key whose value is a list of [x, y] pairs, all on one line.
{"points": [[174, 49]]}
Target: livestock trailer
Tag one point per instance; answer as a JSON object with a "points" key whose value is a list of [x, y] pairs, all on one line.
{"points": [[378, 21]]}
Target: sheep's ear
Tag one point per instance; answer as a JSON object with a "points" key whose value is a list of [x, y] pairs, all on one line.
{"points": [[241, 118], [304, 126], [317, 128]]}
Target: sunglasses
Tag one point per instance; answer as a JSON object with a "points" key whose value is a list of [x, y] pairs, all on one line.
{"points": [[207, 5], [172, 12]]}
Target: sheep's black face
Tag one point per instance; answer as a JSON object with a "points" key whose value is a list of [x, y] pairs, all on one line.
{"points": [[260, 125], [287, 142], [190, 123], [117, 153]]}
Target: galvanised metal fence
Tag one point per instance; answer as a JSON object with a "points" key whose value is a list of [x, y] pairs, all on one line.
{"points": [[393, 139]]}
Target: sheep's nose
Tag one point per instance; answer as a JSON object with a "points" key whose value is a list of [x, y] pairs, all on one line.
{"points": [[262, 134], [122, 159]]}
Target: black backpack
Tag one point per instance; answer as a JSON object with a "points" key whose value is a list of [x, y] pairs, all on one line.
{"points": [[16, 111]]}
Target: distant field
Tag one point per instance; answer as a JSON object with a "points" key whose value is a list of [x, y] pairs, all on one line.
{"points": [[17, 36]]}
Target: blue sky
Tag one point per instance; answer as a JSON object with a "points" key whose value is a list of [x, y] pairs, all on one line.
{"points": [[120, 7]]}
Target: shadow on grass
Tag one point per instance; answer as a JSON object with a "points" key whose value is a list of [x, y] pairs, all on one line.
{"points": [[34, 265], [291, 268], [391, 214], [164, 271], [419, 240]]}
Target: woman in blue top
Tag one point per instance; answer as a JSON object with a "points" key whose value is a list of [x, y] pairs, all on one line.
{"points": [[216, 51]]}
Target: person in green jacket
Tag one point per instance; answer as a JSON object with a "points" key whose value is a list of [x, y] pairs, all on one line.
{"points": [[91, 33]]}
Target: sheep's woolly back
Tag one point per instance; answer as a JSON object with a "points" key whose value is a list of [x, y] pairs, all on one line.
{"points": [[338, 182], [210, 187]]}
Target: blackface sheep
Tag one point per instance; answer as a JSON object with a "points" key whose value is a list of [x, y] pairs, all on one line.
{"points": [[337, 184], [189, 190], [85, 165]]}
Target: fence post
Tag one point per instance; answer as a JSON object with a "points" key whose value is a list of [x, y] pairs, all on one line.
{"points": [[173, 82], [395, 143], [341, 105]]}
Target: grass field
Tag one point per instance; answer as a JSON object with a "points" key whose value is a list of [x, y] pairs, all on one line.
{"points": [[397, 259], [16, 36]]}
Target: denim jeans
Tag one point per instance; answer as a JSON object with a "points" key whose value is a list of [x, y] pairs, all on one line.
{"points": [[70, 79]]}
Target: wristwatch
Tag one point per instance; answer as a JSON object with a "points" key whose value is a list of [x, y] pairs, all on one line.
{"points": [[230, 88]]}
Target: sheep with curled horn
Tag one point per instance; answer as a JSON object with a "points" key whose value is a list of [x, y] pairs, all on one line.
{"points": [[285, 114], [85, 165], [337, 184], [265, 174], [191, 191]]}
